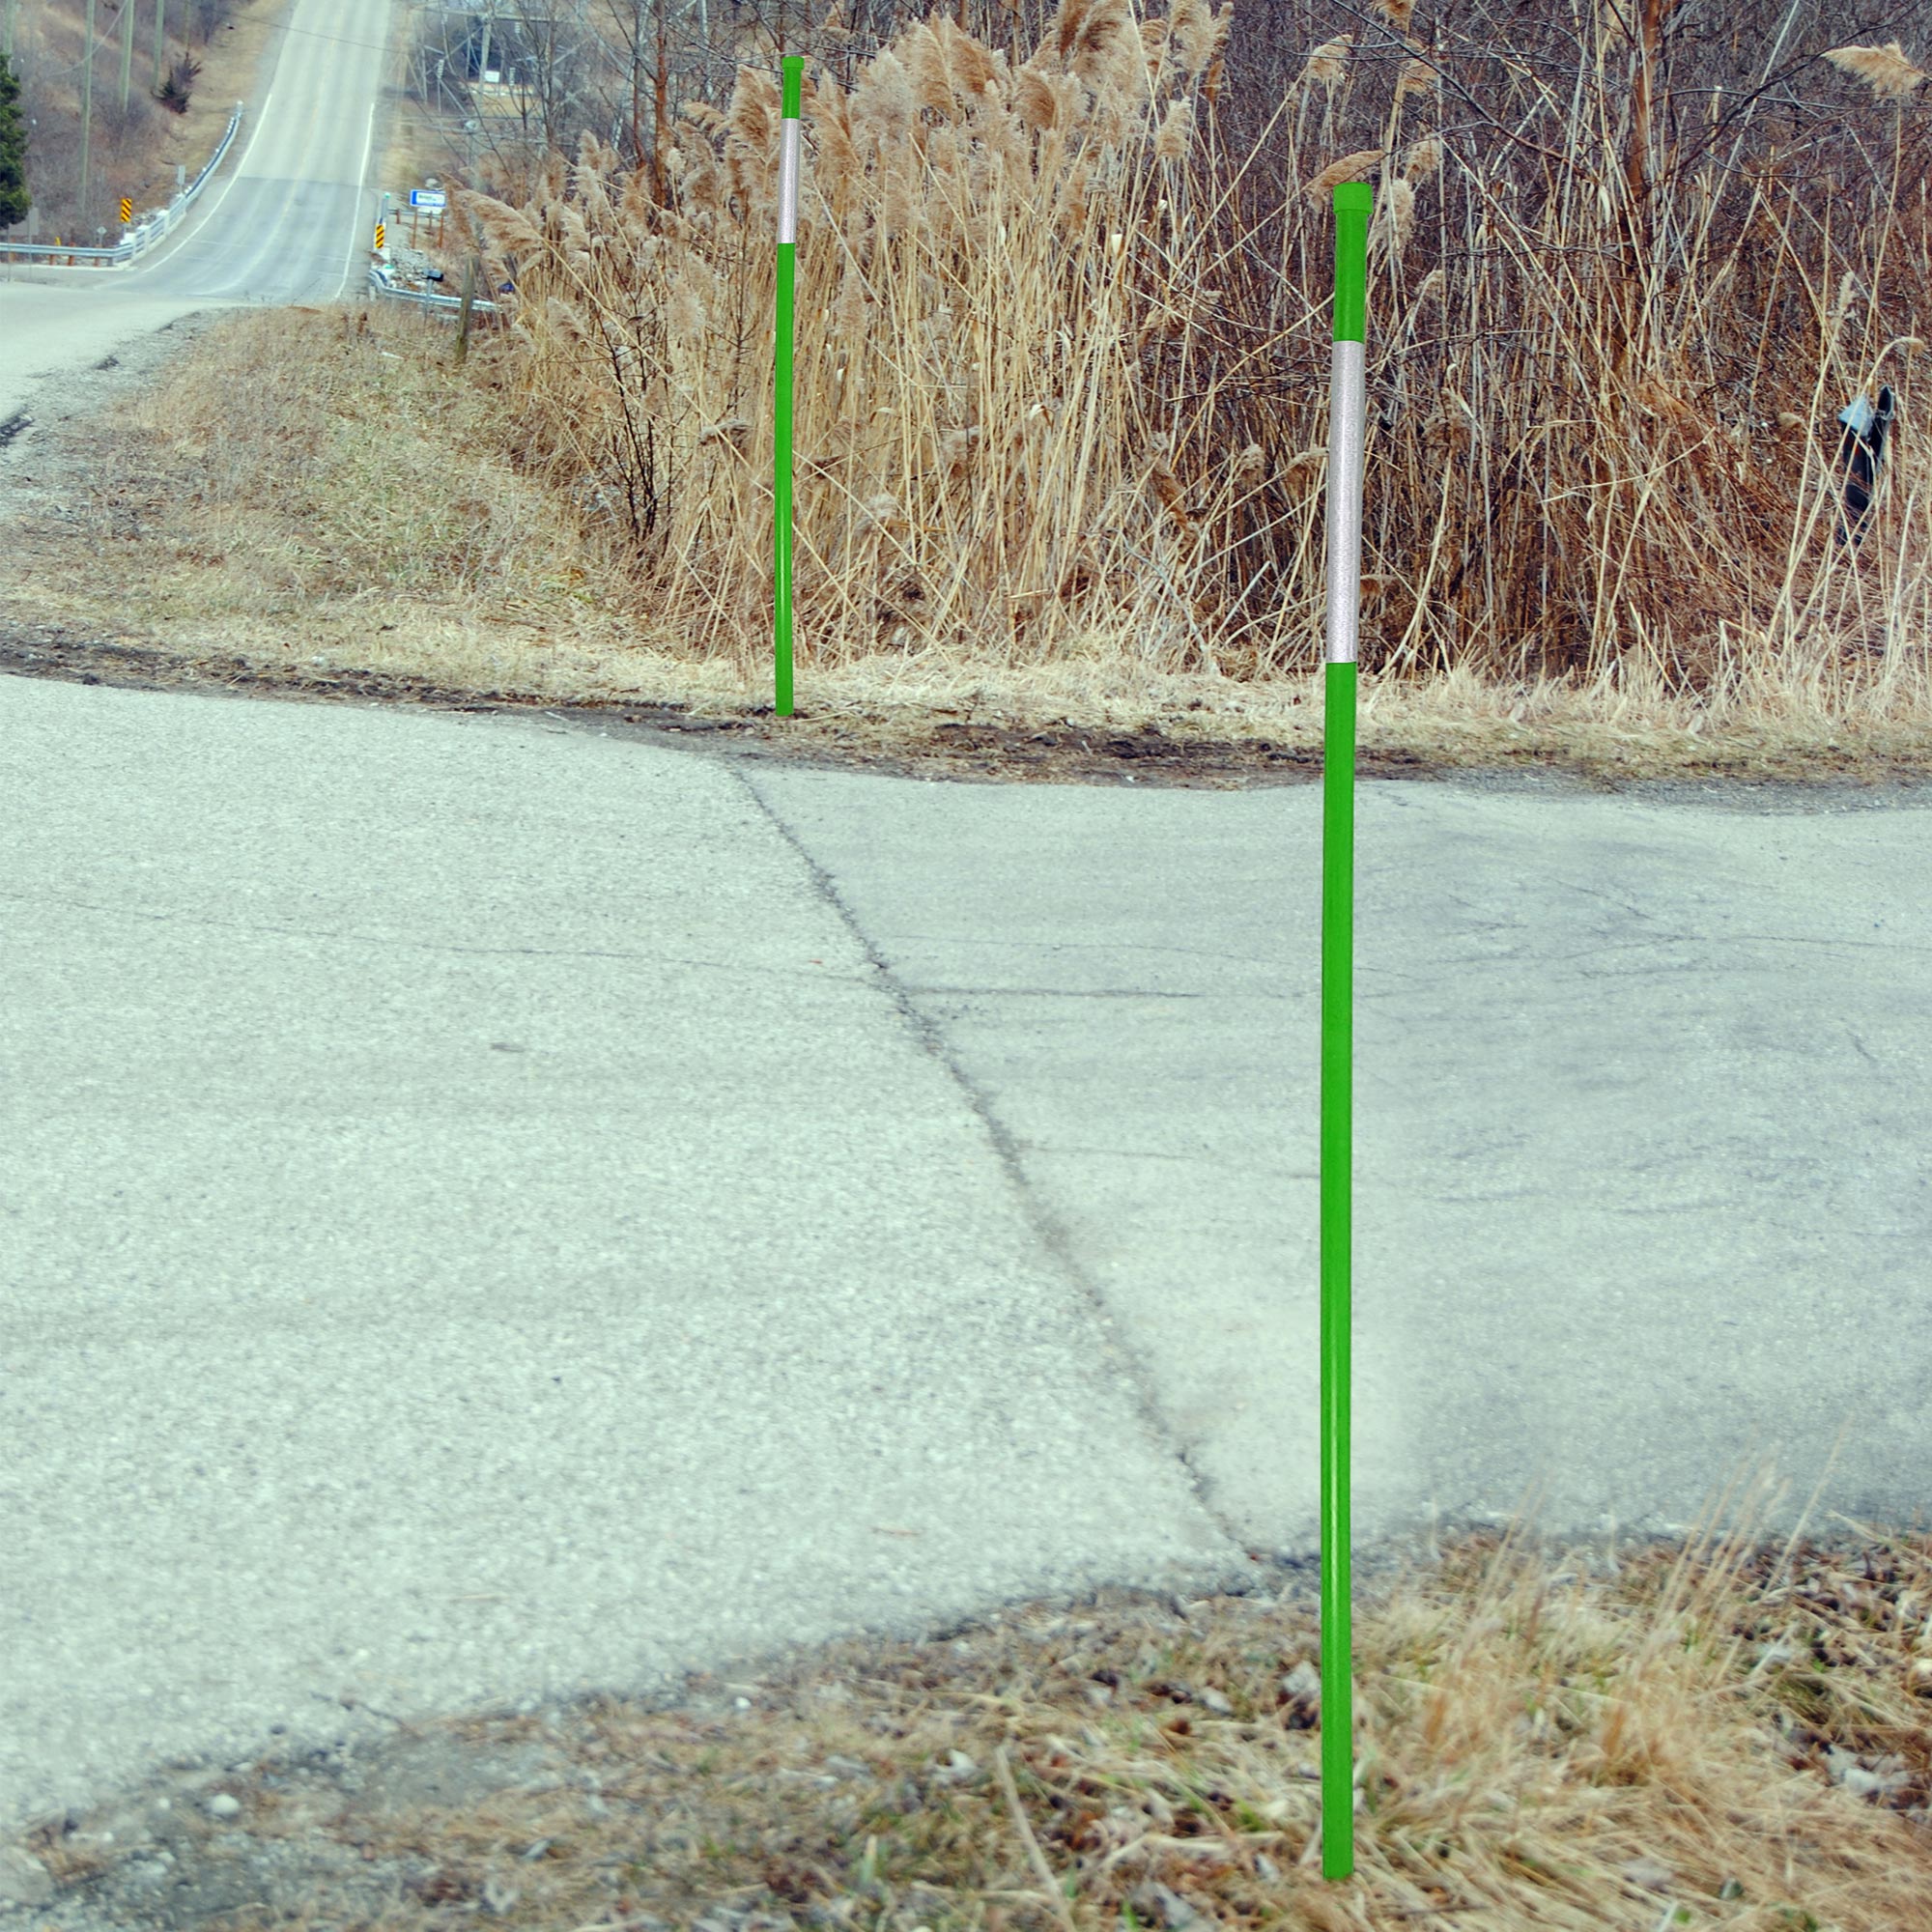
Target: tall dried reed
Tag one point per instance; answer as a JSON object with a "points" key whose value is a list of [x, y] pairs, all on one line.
{"points": [[1053, 399]]}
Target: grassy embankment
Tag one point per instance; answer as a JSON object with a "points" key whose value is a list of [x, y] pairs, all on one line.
{"points": [[1062, 417]]}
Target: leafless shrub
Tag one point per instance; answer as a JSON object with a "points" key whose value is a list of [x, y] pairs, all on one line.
{"points": [[1595, 288]]}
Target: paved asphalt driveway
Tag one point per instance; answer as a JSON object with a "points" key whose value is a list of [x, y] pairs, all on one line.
{"points": [[491, 1210]]}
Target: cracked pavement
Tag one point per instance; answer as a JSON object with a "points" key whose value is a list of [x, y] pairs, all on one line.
{"points": [[494, 1209]]}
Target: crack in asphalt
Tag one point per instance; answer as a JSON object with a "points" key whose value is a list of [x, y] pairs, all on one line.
{"points": [[1219, 1162], [592, 953], [1863, 945], [1048, 1229], [1852, 1033], [1082, 945], [1058, 992]]}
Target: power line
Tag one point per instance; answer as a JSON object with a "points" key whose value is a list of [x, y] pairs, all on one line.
{"points": [[86, 59]]}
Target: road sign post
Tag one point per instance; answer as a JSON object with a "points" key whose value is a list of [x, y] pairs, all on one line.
{"points": [[1346, 424], [426, 200], [794, 72]]}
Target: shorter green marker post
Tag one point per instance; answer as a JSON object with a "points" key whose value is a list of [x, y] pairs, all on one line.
{"points": [[1347, 425], [794, 80]]}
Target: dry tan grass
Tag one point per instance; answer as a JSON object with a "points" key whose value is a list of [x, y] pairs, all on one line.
{"points": [[1889, 75], [1724, 1731], [1008, 279], [227, 513], [1061, 434], [309, 476], [1539, 1744]]}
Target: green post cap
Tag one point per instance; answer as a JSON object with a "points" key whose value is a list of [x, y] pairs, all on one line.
{"points": [[1355, 202], [794, 77]]}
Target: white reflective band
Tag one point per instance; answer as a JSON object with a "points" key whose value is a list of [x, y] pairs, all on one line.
{"points": [[787, 181], [1345, 424]]}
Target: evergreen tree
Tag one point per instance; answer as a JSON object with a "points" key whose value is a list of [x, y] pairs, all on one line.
{"points": [[14, 200]]}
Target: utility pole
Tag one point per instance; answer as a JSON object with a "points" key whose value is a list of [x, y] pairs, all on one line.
{"points": [[86, 108], [126, 52], [574, 70], [160, 41], [489, 21], [12, 7]]}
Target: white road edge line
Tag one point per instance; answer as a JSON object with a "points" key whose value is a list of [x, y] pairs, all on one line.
{"points": [[361, 182]]}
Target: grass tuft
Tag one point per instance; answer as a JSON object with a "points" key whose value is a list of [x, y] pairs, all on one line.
{"points": [[1716, 1731]]}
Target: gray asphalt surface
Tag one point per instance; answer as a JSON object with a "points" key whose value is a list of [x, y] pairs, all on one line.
{"points": [[493, 1210]]}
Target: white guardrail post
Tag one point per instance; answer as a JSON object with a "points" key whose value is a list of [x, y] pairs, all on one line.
{"points": [[151, 227]]}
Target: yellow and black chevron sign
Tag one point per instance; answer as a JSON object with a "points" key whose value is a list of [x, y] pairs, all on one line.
{"points": [[126, 211], [380, 232]]}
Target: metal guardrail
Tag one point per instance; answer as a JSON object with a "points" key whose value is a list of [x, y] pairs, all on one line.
{"points": [[151, 226], [379, 280]]}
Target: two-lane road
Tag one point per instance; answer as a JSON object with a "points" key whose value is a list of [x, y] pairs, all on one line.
{"points": [[283, 223]]}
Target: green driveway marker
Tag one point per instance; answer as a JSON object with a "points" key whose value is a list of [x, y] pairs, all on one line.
{"points": [[1353, 201], [794, 76]]}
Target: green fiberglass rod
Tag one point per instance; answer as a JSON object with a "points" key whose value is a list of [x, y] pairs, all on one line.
{"points": [[794, 72], [1354, 202]]}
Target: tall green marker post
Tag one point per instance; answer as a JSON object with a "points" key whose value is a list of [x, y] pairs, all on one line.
{"points": [[794, 81], [1347, 426]]}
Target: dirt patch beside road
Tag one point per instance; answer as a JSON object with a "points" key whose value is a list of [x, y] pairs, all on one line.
{"points": [[991, 753], [947, 749]]}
